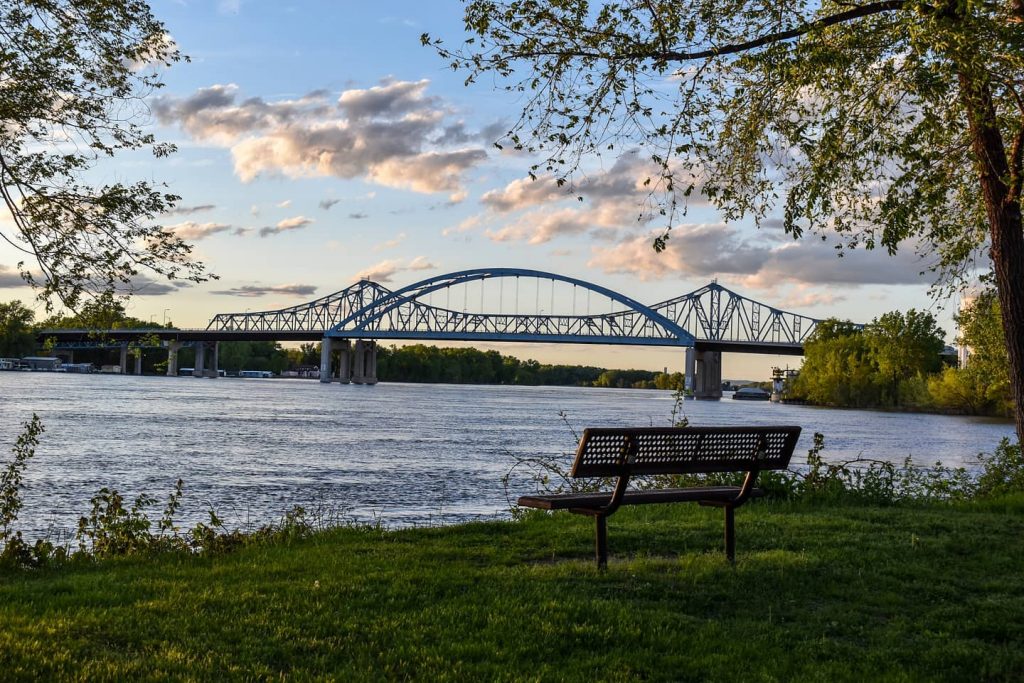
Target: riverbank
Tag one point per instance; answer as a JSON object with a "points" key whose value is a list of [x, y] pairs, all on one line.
{"points": [[818, 593]]}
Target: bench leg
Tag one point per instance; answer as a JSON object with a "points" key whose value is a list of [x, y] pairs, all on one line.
{"points": [[602, 541], [730, 533]]}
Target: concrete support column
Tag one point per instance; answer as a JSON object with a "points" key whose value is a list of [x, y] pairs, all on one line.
{"points": [[71, 356], [172, 358], [691, 368], [371, 363], [213, 370], [124, 359], [325, 359], [138, 362], [709, 376], [344, 347], [359, 363], [200, 348]]}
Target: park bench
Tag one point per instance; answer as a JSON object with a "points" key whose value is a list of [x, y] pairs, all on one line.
{"points": [[641, 451]]}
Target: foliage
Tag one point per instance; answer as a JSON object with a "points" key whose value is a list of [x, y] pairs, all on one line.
{"points": [[1003, 471], [884, 364], [902, 346], [837, 368], [246, 355], [982, 387], [76, 75], [421, 363], [105, 312], [16, 336], [12, 547]]}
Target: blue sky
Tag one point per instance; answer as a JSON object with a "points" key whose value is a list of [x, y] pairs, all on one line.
{"points": [[320, 142]]}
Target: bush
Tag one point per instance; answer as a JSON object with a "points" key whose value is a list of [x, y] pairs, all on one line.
{"points": [[1002, 472]]}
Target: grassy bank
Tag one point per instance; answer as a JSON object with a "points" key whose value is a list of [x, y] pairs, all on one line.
{"points": [[818, 593]]}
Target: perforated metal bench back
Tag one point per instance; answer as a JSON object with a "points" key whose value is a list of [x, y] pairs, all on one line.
{"points": [[611, 452]]}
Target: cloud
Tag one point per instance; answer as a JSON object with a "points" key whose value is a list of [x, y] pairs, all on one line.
{"points": [[393, 134], [186, 210], [10, 277], [391, 243], [358, 215], [713, 250], [285, 204], [261, 290], [385, 270], [190, 230], [326, 204], [604, 205], [295, 223], [143, 285]]}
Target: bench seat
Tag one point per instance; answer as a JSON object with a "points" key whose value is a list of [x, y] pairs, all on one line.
{"points": [[599, 500], [624, 453]]}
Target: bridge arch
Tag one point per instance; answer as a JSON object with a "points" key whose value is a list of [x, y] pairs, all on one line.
{"points": [[402, 314]]}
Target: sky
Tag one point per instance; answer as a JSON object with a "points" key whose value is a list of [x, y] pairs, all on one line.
{"points": [[319, 142]]}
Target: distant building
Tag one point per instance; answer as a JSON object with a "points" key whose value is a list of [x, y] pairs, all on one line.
{"points": [[41, 363]]}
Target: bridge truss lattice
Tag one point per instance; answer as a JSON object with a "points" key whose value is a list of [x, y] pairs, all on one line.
{"points": [[711, 314], [319, 315], [715, 313], [407, 314]]}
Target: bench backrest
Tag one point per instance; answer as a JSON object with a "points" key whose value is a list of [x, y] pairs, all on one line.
{"points": [[612, 452]]}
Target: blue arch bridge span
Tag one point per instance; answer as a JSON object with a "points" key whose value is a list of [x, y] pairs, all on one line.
{"points": [[484, 305]]}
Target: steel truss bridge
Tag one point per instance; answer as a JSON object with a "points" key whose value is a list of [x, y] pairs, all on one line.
{"points": [[712, 318]]}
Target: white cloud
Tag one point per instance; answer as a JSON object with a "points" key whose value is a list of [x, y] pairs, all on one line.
{"points": [[391, 243], [386, 134], [285, 204], [294, 223], [717, 249], [190, 230], [385, 270]]}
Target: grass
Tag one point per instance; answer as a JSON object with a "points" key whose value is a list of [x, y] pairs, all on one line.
{"points": [[818, 593]]}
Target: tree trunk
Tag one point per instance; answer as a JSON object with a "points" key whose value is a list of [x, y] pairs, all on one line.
{"points": [[1006, 230]]}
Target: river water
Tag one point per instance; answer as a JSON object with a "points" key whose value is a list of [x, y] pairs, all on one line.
{"points": [[400, 454]]}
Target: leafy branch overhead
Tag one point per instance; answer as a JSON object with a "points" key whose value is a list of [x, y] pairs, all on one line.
{"points": [[847, 118], [889, 124], [75, 75]]}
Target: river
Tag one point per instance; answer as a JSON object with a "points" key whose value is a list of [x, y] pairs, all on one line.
{"points": [[400, 454]]}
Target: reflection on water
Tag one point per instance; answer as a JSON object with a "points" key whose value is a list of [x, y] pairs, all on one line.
{"points": [[402, 453]]}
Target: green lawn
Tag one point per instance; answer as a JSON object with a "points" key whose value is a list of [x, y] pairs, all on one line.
{"points": [[817, 593]]}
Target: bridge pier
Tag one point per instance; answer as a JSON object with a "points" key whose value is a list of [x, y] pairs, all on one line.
{"points": [[124, 359], [708, 376], [138, 362], [172, 358], [198, 367], [214, 370], [364, 366], [327, 367]]}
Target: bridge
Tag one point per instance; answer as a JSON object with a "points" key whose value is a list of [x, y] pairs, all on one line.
{"points": [[491, 305]]}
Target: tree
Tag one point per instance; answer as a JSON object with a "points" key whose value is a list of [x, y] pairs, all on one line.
{"points": [[986, 370], [73, 83], [837, 369], [16, 336], [883, 122], [903, 346]]}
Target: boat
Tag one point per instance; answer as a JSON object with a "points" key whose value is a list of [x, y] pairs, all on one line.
{"points": [[751, 394]]}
